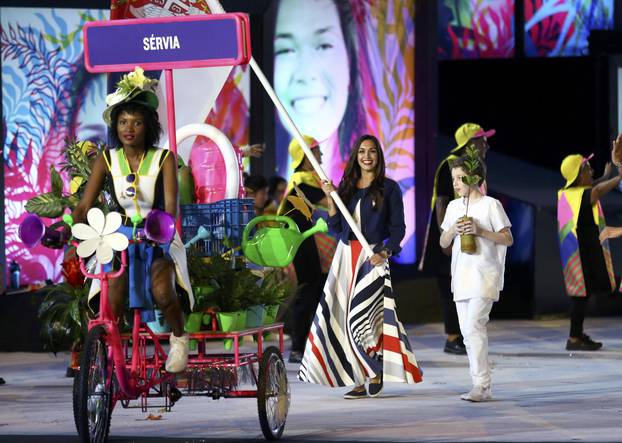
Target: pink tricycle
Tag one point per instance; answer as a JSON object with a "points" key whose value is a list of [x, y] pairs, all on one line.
{"points": [[119, 367]]}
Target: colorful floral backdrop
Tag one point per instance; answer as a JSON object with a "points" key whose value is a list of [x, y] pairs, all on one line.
{"points": [[475, 29], [388, 34], [561, 27], [47, 95], [485, 28]]}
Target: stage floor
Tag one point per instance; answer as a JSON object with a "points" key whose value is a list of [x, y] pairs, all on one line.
{"points": [[542, 393]]}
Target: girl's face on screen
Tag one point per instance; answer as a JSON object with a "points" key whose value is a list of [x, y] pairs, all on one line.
{"points": [[311, 69]]}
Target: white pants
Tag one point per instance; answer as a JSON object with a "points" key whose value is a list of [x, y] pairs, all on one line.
{"points": [[473, 314]]}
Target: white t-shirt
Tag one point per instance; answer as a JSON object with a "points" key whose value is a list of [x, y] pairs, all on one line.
{"points": [[478, 275]]}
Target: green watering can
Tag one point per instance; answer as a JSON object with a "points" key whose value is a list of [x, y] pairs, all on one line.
{"points": [[276, 246]]}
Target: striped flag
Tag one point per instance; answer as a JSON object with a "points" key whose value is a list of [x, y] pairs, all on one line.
{"points": [[356, 333]]}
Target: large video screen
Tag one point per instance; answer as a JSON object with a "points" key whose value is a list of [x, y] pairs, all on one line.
{"points": [[345, 68], [473, 29], [556, 28]]}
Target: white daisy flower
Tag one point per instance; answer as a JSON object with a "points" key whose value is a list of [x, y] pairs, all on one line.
{"points": [[99, 237]]}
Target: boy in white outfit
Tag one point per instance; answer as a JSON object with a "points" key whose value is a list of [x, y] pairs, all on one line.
{"points": [[477, 278]]}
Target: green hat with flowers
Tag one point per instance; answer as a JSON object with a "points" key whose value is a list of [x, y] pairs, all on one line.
{"points": [[133, 87]]}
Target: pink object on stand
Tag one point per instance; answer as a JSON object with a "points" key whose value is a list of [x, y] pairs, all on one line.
{"points": [[208, 170]]}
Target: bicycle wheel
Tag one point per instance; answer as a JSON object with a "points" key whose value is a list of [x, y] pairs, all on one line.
{"points": [[75, 394], [272, 394], [95, 389]]}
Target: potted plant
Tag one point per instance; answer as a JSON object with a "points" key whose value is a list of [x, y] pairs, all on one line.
{"points": [[227, 284], [472, 166], [203, 288], [77, 166], [64, 313]]}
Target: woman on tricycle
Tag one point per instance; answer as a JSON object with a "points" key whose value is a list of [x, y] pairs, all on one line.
{"points": [[142, 177]]}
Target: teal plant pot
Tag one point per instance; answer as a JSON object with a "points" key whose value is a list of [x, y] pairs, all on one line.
{"points": [[255, 315]]}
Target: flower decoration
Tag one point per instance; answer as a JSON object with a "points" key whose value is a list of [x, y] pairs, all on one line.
{"points": [[132, 86], [138, 79], [72, 273], [100, 236], [130, 83]]}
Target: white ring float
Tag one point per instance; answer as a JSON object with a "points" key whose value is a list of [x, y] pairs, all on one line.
{"points": [[229, 155]]}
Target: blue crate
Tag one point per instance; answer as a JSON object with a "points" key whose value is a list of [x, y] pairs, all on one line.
{"points": [[225, 219]]}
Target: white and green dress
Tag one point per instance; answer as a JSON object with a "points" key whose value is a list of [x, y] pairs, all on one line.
{"points": [[149, 194]]}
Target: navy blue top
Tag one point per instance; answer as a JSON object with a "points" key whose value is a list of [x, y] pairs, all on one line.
{"points": [[386, 222]]}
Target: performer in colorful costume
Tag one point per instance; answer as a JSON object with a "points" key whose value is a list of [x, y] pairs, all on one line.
{"points": [[142, 177], [586, 263], [314, 255], [356, 335], [433, 256]]}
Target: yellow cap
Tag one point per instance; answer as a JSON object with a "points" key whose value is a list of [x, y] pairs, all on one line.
{"points": [[468, 131], [571, 166], [296, 151]]}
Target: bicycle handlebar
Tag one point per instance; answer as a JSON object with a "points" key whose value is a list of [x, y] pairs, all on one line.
{"points": [[105, 275]]}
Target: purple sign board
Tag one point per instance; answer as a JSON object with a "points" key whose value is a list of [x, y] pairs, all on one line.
{"points": [[167, 43]]}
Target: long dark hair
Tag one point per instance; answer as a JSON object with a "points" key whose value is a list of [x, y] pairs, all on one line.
{"points": [[352, 174], [153, 129]]}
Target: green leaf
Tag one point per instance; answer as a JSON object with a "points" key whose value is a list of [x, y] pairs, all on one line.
{"points": [[470, 180], [74, 311], [46, 205], [57, 182]]}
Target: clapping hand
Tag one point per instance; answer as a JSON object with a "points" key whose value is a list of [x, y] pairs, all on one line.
{"points": [[616, 151], [608, 170]]}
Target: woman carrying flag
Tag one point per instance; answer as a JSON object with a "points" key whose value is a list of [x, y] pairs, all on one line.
{"points": [[356, 336]]}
